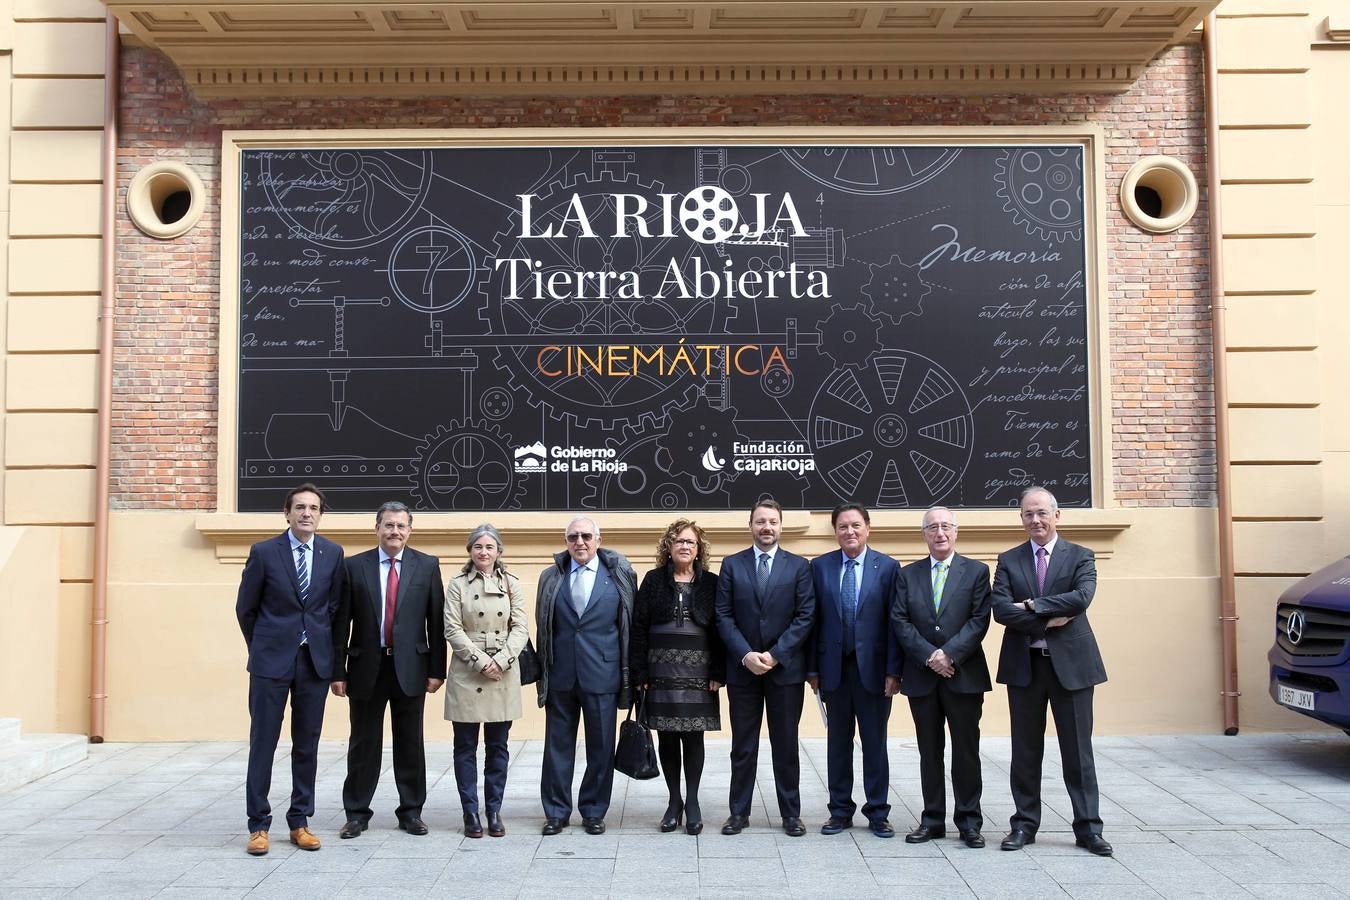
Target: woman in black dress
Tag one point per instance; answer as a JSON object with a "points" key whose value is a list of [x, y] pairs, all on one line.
{"points": [[679, 660]]}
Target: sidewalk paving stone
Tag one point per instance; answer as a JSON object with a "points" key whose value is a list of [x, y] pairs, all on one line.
{"points": [[1262, 815]]}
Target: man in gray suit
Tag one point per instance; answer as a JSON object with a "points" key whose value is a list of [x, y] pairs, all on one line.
{"points": [[583, 610], [940, 614], [1042, 590]]}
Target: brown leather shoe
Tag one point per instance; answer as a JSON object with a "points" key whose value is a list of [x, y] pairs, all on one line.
{"points": [[258, 844], [304, 839]]}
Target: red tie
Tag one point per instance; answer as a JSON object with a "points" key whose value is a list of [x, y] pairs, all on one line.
{"points": [[390, 597]]}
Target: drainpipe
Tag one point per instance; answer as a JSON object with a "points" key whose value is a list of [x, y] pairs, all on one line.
{"points": [[1223, 474], [98, 639]]}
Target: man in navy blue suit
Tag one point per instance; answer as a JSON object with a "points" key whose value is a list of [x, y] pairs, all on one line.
{"points": [[766, 609], [583, 612], [288, 595], [856, 667]]}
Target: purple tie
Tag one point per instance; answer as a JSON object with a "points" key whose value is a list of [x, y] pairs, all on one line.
{"points": [[1041, 564]]}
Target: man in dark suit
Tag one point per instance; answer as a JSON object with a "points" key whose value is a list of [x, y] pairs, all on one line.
{"points": [[583, 612], [1042, 590], [941, 614], [855, 666], [288, 595], [390, 642], [765, 612]]}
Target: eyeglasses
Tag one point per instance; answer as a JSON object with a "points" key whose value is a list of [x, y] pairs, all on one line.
{"points": [[580, 537], [935, 527], [684, 542]]}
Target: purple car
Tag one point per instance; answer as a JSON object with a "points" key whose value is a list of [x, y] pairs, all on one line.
{"points": [[1310, 660]]}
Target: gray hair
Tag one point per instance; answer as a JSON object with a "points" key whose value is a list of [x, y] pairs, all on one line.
{"points": [[575, 519], [392, 506], [933, 509], [490, 530], [1037, 489]]}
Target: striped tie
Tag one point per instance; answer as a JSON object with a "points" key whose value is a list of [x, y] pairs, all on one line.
{"points": [[939, 581], [302, 573]]}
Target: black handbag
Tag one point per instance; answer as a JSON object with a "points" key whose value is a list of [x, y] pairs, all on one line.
{"points": [[528, 664], [635, 756]]}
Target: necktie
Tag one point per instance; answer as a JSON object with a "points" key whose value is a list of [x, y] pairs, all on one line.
{"points": [[939, 581], [1042, 562], [763, 575], [848, 601], [579, 590], [390, 598], [302, 573]]}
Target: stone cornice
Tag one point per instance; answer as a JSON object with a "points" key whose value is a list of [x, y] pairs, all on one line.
{"points": [[577, 47]]}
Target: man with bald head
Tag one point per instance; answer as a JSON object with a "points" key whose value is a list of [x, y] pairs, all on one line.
{"points": [[583, 609], [1042, 589]]}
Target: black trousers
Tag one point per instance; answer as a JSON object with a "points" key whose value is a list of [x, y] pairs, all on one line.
{"points": [[1073, 723], [366, 747], [934, 714], [748, 704], [563, 712], [308, 694], [848, 705], [496, 758]]}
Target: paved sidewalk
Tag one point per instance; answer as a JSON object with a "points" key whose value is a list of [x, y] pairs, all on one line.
{"points": [[1196, 816]]}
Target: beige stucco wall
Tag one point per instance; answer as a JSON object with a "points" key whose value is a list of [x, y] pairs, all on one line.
{"points": [[176, 657]]}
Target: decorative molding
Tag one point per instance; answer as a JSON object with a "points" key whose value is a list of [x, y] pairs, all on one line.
{"points": [[984, 533], [1337, 28], [579, 47]]}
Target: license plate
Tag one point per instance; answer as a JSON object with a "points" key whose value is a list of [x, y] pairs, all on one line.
{"points": [[1294, 697]]}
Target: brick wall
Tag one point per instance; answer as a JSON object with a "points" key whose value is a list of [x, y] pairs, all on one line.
{"points": [[1161, 391]]}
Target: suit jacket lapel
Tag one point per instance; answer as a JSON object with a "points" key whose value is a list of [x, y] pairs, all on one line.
{"points": [[871, 561], [955, 569], [1056, 564], [288, 562], [1028, 565]]}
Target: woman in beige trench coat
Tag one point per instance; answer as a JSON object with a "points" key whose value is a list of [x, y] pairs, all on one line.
{"points": [[485, 624]]}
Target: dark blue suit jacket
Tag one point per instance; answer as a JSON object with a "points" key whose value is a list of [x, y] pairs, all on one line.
{"points": [[270, 612], [780, 622], [586, 649], [875, 646]]}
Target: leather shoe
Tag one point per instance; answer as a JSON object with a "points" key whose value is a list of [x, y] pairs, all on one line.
{"points": [[473, 828], [594, 826], [671, 820], [554, 826], [1095, 843], [736, 824], [352, 829], [882, 828], [973, 839], [305, 839], [414, 826], [495, 826], [793, 827], [925, 833], [836, 825], [693, 826], [1017, 839], [258, 844]]}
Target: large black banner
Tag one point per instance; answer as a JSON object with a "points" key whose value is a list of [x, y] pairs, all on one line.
{"points": [[686, 327]]}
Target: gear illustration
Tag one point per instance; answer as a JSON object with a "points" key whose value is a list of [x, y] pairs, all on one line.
{"points": [[872, 170], [848, 336], [646, 482], [788, 488], [465, 465], [896, 289], [346, 199], [594, 401], [1043, 189], [698, 439], [895, 433]]}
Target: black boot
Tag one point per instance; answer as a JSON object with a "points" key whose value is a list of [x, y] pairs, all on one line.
{"points": [[495, 826], [472, 827]]}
